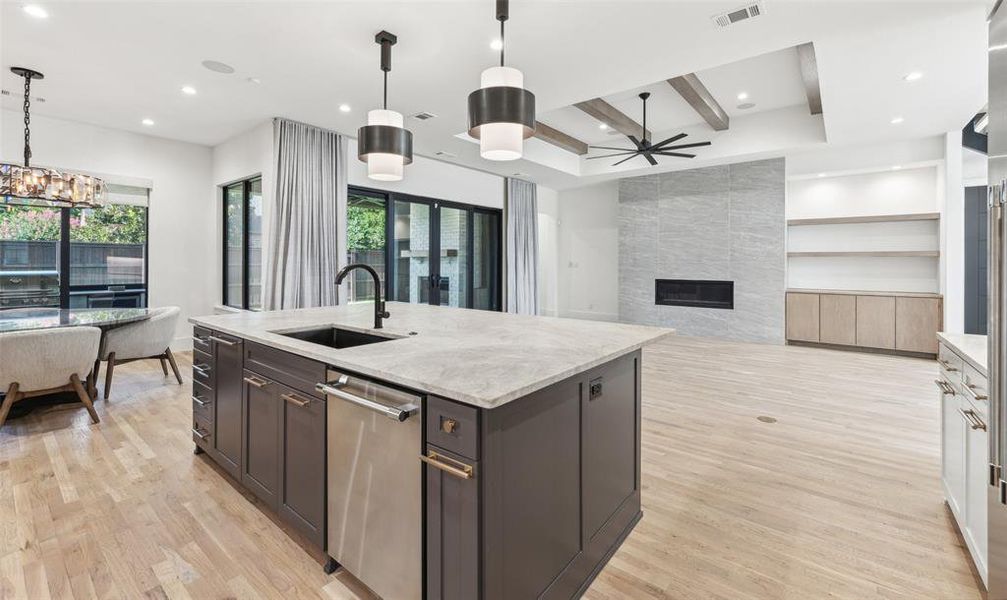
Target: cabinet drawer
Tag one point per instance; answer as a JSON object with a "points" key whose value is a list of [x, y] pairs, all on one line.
{"points": [[974, 387], [202, 430], [202, 372], [201, 339], [202, 402], [452, 426], [295, 371], [951, 364]]}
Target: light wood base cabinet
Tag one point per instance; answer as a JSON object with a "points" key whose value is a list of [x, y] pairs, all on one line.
{"points": [[869, 320]]}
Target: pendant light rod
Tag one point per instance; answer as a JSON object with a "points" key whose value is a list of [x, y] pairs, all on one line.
{"points": [[644, 96], [503, 13], [387, 40]]}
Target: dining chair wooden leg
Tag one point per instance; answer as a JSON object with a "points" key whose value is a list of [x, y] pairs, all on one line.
{"points": [[174, 366], [109, 367], [85, 398], [164, 365], [8, 401]]}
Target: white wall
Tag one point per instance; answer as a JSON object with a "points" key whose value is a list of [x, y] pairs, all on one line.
{"points": [[183, 230], [548, 251], [588, 252], [953, 242]]}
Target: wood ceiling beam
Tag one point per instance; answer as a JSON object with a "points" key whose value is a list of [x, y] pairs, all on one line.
{"points": [[559, 139], [809, 74], [692, 90], [612, 116]]}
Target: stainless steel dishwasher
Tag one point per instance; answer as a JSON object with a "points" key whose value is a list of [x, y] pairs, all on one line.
{"points": [[375, 480]]}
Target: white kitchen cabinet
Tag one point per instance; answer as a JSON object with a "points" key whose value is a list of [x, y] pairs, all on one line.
{"points": [[953, 438], [976, 474]]}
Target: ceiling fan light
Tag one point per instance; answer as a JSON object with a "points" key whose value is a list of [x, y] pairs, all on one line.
{"points": [[384, 145]]}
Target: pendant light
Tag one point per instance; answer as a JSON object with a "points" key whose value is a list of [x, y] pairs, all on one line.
{"points": [[25, 184], [383, 143], [501, 111]]}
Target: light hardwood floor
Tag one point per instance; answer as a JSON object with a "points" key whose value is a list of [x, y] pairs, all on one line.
{"points": [[838, 498]]}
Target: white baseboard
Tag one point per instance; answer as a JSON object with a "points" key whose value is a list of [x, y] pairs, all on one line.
{"points": [[181, 344]]}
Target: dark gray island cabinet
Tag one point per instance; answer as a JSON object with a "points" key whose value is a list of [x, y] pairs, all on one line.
{"points": [[522, 494]]}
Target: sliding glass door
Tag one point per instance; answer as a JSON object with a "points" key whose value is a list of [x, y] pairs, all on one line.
{"points": [[436, 252]]}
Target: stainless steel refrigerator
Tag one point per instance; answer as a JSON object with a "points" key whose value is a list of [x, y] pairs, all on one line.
{"points": [[997, 324]]}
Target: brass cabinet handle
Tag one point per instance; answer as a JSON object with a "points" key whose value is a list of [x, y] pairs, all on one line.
{"points": [[199, 434], [945, 389], [221, 340], [458, 468], [199, 400], [970, 388], [298, 402], [947, 366], [255, 381]]}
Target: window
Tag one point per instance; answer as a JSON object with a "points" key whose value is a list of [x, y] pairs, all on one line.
{"points": [[242, 205], [75, 258], [427, 251]]}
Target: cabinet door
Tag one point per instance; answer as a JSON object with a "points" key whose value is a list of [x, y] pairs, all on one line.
{"points": [[227, 403], [802, 317], [839, 319], [916, 323], [302, 489], [976, 474], [260, 468], [876, 321], [953, 453], [452, 534]]}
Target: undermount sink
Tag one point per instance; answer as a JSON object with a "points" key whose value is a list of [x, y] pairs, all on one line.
{"points": [[335, 337]]}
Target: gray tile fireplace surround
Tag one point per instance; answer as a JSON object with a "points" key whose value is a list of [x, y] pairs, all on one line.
{"points": [[715, 223]]}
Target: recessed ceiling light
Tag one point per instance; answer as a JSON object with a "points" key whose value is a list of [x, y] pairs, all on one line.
{"points": [[746, 105], [897, 120], [36, 11], [997, 47], [188, 90], [218, 67], [496, 45], [148, 122], [896, 167], [602, 126], [254, 80], [344, 108], [821, 174], [743, 96], [913, 76]]}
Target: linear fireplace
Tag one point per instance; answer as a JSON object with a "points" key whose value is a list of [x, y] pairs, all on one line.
{"points": [[694, 292]]}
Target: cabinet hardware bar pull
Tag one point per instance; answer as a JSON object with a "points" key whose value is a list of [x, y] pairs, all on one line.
{"points": [[221, 340], [202, 369], [973, 419], [970, 388], [201, 340], [256, 382], [943, 386], [396, 413], [462, 471], [947, 366], [199, 434], [299, 402], [199, 401]]}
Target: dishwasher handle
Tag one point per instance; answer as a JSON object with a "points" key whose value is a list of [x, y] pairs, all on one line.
{"points": [[396, 413]]}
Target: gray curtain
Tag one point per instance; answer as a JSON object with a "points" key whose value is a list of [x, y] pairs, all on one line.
{"points": [[522, 247], [302, 254]]}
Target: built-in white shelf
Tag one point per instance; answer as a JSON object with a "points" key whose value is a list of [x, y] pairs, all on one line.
{"points": [[867, 253], [929, 216]]}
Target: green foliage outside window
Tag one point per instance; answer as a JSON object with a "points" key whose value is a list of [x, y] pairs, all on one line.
{"points": [[365, 226], [113, 224]]}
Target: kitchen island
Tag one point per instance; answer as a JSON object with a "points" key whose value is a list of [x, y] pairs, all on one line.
{"points": [[453, 453]]}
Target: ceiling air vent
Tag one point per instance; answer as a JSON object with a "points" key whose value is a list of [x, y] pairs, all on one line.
{"points": [[749, 11], [5, 92], [423, 116]]}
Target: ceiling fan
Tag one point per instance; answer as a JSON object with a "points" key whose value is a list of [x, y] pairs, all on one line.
{"points": [[645, 148]]}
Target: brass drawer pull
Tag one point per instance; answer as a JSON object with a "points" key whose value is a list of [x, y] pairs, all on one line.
{"points": [[199, 401], [947, 366], [457, 468], [970, 389], [298, 402], [221, 340], [255, 381], [199, 434]]}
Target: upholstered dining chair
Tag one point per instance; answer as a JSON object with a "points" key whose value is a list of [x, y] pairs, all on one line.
{"points": [[142, 341], [45, 361]]}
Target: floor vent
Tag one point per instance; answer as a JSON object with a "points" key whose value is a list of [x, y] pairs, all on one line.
{"points": [[749, 11], [423, 116]]}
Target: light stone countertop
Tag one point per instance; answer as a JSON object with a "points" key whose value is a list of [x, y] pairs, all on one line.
{"points": [[477, 357], [969, 346]]}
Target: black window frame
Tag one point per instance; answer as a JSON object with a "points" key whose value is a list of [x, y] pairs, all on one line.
{"points": [[435, 204], [246, 187]]}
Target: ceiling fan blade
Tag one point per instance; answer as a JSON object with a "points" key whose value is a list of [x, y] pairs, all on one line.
{"points": [[673, 138], [680, 146], [650, 159], [678, 154], [611, 155], [625, 159], [635, 141], [611, 148]]}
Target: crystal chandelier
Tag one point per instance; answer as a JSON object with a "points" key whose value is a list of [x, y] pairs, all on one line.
{"points": [[25, 184]]}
